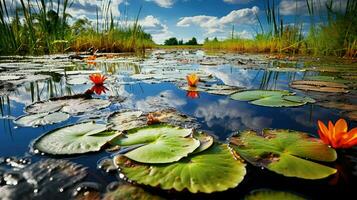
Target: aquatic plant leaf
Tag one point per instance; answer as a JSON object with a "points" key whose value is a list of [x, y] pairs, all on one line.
{"points": [[299, 99], [265, 194], [10, 77], [130, 192], [325, 78], [319, 86], [127, 120], [285, 152], [85, 105], [269, 98], [41, 119], [206, 141], [71, 105], [75, 139], [46, 179], [160, 143], [209, 171]]}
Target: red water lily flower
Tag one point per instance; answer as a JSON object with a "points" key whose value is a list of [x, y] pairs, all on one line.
{"points": [[193, 94], [337, 135], [97, 79], [192, 80], [99, 89]]}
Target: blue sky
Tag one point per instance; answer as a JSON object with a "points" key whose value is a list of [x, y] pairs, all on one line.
{"points": [[185, 19]]}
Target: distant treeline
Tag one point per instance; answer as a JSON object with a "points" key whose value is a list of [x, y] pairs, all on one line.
{"points": [[43, 27], [174, 41]]}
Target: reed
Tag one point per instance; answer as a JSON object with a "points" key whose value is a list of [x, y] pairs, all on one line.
{"points": [[337, 36], [43, 28]]}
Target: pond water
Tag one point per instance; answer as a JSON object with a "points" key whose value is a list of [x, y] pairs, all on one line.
{"points": [[218, 115]]}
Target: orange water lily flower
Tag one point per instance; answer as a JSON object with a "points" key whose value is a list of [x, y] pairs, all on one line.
{"points": [[99, 89], [97, 79], [337, 135], [192, 80]]}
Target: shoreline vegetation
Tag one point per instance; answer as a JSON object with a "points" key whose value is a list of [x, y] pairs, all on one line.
{"points": [[43, 27], [333, 32]]}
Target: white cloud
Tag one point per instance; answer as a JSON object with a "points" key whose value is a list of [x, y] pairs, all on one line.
{"points": [[214, 24], [156, 28], [164, 3], [237, 1]]}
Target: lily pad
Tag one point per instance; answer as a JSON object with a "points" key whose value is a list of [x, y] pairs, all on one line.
{"points": [[299, 99], [325, 78], [126, 120], [269, 98], [130, 192], [352, 115], [41, 119], [265, 194], [160, 143], [213, 89], [85, 105], [319, 86], [206, 141], [71, 105], [285, 152], [75, 139], [10, 77], [212, 170]]}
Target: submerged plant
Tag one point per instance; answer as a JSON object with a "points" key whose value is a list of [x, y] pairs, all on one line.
{"points": [[338, 135], [97, 79]]}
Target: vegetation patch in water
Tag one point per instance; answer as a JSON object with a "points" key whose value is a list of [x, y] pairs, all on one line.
{"points": [[285, 152]]}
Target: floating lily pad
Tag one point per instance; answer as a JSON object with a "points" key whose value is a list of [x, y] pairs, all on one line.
{"points": [[10, 77], [41, 119], [212, 170], [70, 105], [269, 98], [213, 89], [130, 192], [85, 105], [352, 115], [319, 86], [75, 139], [285, 152], [325, 78], [299, 99], [127, 120], [206, 141], [265, 194], [160, 143]]}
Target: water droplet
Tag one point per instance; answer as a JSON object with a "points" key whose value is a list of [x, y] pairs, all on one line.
{"points": [[121, 176]]}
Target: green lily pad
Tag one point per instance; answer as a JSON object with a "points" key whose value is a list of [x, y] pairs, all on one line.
{"points": [[212, 170], [285, 152], [75, 139], [41, 119], [161, 143], [130, 192], [269, 98], [265, 194], [299, 99], [206, 141], [85, 105]]}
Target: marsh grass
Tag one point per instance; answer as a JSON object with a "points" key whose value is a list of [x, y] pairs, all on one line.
{"points": [[41, 27], [337, 36]]}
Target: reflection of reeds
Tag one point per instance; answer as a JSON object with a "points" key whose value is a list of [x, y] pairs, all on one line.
{"points": [[333, 31]]}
